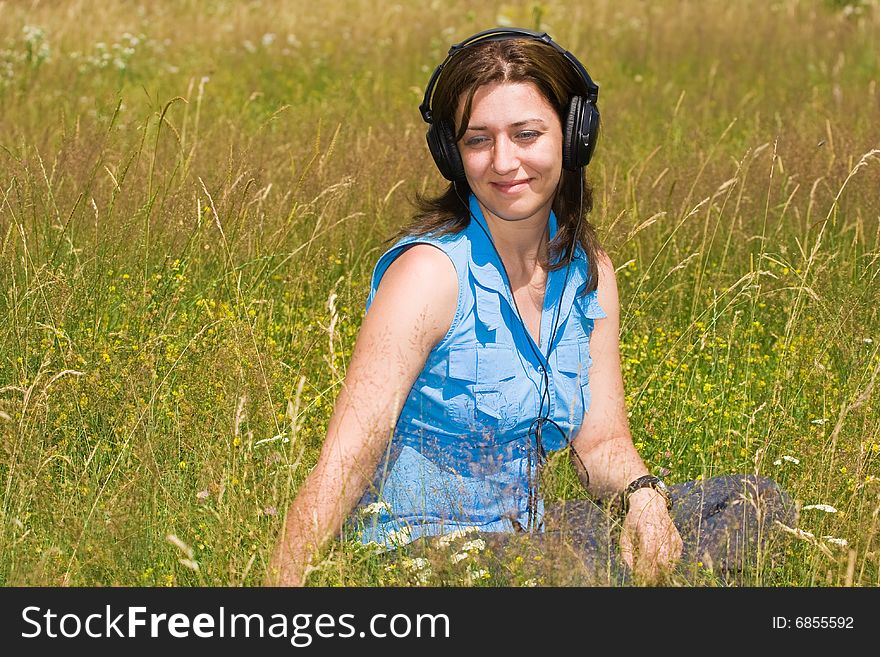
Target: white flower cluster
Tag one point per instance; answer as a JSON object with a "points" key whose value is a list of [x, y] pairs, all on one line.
{"points": [[290, 44], [399, 537], [118, 55], [375, 508], [419, 569], [475, 545], [33, 52], [35, 45], [476, 574], [827, 508], [468, 548], [447, 539], [7, 71]]}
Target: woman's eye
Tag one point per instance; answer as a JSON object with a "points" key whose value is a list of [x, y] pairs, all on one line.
{"points": [[528, 135], [475, 141]]}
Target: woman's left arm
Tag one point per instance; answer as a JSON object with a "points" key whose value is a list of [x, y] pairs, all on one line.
{"points": [[649, 543]]}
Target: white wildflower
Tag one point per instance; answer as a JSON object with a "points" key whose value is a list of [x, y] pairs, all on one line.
{"points": [[531, 582], [820, 421], [478, 573], [375, 508], [789, 459], [459, 557], [268, 39], [827, 508], [399, 537], [842, 542], [446, 539], [868, 341], [202, 494], [474, 546], [416, 564], [33, 34]]}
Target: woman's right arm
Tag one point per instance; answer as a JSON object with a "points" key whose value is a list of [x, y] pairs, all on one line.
{"points": [[412, 310]]}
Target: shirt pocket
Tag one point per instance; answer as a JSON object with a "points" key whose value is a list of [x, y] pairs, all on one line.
{"points": [[481, 378]]}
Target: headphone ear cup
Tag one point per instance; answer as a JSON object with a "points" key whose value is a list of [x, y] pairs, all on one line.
{"points": [[581, 131], [590, 130], [571, 134], [441, 143]]}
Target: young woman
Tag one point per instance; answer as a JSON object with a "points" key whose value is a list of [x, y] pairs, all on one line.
{"points": [[491, 338]]}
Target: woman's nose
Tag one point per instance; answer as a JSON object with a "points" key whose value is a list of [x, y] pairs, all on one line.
{"points": [[504, 157]]}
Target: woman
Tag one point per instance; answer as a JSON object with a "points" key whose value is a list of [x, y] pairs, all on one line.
{"points": [[491, 337]]}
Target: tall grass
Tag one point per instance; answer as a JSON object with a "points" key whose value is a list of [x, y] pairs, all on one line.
{"points": [[193, 194]]}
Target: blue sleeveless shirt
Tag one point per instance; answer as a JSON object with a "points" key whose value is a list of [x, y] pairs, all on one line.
{"points": [[462, 455]]}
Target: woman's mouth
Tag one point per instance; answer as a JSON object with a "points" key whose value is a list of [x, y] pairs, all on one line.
{"points": [[512, 186]]}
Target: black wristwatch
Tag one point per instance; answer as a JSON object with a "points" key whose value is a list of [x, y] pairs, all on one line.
{"points": [[646, 481]]}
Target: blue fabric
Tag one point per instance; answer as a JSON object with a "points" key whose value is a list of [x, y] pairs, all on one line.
{"points": [[459, 456]]}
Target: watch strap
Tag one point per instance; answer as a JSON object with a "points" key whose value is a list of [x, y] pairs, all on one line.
{"points": [[646, 481]]}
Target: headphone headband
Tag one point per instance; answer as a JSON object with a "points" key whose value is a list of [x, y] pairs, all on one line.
{"points": [[580, 121], [500, 34]]}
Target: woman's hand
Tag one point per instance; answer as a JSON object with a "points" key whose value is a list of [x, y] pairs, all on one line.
{"points": [[649, 542]]}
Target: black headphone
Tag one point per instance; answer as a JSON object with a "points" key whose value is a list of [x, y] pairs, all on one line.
{"points": [[579, 131]]}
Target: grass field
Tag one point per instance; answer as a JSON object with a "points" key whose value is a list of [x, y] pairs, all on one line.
{"points": [[193, 194]]}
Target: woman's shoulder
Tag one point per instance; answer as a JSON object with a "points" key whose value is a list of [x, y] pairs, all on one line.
{"points": [[449, 242], [427, 254], [420, 267], [603, 301], [421, 280], [425, 262]]}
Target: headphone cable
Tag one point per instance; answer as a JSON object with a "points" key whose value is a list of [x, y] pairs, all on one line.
{"points": [[544, 361]]}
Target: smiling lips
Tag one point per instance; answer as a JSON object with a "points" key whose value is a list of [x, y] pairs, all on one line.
{"points": [[512, 186]]}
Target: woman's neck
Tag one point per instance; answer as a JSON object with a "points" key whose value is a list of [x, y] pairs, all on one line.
{"points": [[522, 244]]}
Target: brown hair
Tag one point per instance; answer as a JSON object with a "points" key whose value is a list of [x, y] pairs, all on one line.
{"points": [[510, 60]]}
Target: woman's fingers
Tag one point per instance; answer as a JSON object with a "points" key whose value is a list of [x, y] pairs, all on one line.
{"points": [[659, 550], [650, 543]]}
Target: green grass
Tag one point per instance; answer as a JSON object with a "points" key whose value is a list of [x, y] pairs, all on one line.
{"points": [[176, 216]]}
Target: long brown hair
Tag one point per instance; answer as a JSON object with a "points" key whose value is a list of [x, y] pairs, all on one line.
{"points": [[511, 60]]}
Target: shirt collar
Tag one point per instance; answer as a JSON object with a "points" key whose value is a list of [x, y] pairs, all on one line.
{"points": [[489, 273]]}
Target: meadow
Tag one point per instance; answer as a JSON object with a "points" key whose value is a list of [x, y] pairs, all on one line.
{"points": [[193, 195]]}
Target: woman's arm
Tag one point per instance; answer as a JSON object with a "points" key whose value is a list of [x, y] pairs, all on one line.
{"points": [[649, 541], [411, 312]]}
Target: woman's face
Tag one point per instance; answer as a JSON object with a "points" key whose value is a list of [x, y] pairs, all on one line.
{"points": [[512, 151]]}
